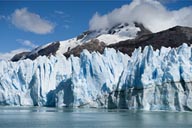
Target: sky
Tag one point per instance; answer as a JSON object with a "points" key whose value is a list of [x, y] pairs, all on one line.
{"points": [[25, 25]]}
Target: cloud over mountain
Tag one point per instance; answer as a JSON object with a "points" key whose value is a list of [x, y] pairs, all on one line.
{"points": [[27, 43], [9, 55], [151, 13]]}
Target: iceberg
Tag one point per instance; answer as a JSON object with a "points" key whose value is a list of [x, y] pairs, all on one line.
{"points": [[148, 80]]}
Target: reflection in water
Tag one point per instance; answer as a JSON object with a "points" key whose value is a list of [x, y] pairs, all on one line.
{"points": [[18, 117]]}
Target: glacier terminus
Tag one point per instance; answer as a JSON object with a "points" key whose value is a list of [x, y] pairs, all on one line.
{"points": [[148, 80]]}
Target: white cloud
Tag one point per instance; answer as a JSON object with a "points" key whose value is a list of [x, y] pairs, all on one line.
{"points": [[66, 26], [59, 12], [151, 13], [2, 17], [27, 43], [28, 21], [167, 1], [9, 55]]}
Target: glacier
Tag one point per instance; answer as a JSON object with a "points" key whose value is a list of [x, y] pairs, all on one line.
{"points": [[148, 80]]}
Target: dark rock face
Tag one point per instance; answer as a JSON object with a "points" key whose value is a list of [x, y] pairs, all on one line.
{"points": [[93, 45], [83, 35], [19, 56], [47, 51], [143, 31], [117, 28], [172, 37]]}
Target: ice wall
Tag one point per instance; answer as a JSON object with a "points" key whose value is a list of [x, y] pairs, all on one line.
{"points": [[149, 80]]}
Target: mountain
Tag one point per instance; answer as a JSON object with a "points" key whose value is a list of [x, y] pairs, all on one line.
{"points": [[76, 45], [98, 69], [173, 37], [122, 37]]}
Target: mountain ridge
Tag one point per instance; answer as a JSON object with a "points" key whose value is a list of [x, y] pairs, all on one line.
{"points": [[108, 36], [90, 40], [173, 37]]}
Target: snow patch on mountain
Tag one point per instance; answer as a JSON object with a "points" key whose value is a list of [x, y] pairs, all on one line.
{"points": [[119, 33], [67, 45]]}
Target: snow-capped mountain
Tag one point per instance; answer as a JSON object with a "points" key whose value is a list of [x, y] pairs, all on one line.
{"points": [[120, 32], [122, 37], [100, 69]]}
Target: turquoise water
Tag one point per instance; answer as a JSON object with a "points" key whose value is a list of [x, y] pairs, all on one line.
{"points": [[25, 117]]}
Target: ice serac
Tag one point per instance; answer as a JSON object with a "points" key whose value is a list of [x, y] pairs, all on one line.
{"points": [[149, 79]]}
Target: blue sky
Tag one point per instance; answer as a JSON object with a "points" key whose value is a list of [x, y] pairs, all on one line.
{"points": [[69, 19], [62, 19]]}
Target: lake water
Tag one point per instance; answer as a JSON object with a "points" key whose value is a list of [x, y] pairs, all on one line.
{"points": [[34, 117]]}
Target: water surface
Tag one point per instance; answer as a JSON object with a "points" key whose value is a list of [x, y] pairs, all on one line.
{"points": [[34, 117]]}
